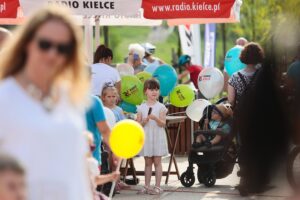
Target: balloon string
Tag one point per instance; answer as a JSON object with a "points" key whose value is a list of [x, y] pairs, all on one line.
{"points": [[114, 183]]}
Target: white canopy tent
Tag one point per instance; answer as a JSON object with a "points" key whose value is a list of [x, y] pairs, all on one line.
{"points": [[90, 13], [87, 7]]}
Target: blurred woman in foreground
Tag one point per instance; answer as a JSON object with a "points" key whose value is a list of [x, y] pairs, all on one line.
{"points": [[42, 92]]}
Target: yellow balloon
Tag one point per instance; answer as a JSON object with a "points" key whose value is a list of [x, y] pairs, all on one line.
{"points": [[127, 139]]}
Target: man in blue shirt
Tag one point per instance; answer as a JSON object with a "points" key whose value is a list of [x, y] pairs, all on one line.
{"points": [[97, 125]]}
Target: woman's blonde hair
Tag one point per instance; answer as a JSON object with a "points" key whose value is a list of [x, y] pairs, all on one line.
{"points": [[74, 72]]}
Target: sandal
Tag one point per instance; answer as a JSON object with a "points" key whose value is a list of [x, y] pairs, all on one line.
{"points": [[158, 190], [144, 190]]}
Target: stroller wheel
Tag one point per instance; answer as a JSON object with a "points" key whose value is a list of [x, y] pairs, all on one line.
{"points": [[187, 179], [209, 179]]}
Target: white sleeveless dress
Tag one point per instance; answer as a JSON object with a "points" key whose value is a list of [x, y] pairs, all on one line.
{"points": [[156, 143]]}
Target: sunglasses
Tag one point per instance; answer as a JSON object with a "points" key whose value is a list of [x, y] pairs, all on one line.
{"points": [[47, 45]]}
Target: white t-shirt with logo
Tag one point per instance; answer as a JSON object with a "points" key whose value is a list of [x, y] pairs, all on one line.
{"points": [[103, 74], [50, 145]]}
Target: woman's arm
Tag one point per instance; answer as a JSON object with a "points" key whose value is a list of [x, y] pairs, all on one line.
{"points": [[226, 79], [104, 129], [231, 95]]}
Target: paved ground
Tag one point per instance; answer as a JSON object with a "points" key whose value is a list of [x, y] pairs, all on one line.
{"points": [[223, 190]]}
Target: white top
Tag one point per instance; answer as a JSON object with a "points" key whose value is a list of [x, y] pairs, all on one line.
{"points": [[93, 166], [94, 171], [156, 143], [50, 145], [103, 74]]}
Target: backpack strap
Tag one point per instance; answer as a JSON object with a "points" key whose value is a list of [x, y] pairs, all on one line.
{"points": [[242, 78]]}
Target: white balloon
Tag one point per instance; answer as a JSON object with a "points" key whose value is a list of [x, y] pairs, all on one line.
{"points": [[110, 117], [195, 110], [125, 69], [210, 82]]}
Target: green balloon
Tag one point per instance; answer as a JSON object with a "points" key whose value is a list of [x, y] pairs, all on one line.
{"points": [[132, 90], [143, 76], [182, 96]]}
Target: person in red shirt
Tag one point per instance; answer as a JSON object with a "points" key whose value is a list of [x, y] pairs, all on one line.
{"points": [[189, 69]]}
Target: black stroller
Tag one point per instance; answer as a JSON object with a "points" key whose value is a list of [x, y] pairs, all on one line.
{"points": [[213, 163]]}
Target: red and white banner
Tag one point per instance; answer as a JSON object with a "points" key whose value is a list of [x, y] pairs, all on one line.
{"points": [[171, 9], [87, 7], [233, 18], [9, 8]]}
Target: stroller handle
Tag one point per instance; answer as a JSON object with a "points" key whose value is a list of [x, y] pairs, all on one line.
{"points": [[222, 100]]}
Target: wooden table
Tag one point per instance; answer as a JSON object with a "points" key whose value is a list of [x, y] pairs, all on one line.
{"points": [[173, 122]]}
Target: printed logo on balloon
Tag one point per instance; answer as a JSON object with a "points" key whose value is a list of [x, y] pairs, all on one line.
{"points": [[210, 82], [131, 90], [143, 76], [182, 96]]}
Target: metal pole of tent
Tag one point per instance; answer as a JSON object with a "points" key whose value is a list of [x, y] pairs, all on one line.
{"points": [[88, 39], [97, 31]]}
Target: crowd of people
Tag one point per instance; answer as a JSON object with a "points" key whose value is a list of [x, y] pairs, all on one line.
{"points": [[56, 126]]}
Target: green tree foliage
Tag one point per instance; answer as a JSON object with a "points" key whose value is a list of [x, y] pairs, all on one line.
{"points": [[256, 19]]}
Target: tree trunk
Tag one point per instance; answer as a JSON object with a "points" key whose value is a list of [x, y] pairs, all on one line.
{"points": [[253, 20]]}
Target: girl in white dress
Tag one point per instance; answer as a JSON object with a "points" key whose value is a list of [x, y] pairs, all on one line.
{"points": [[152, 116]]}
